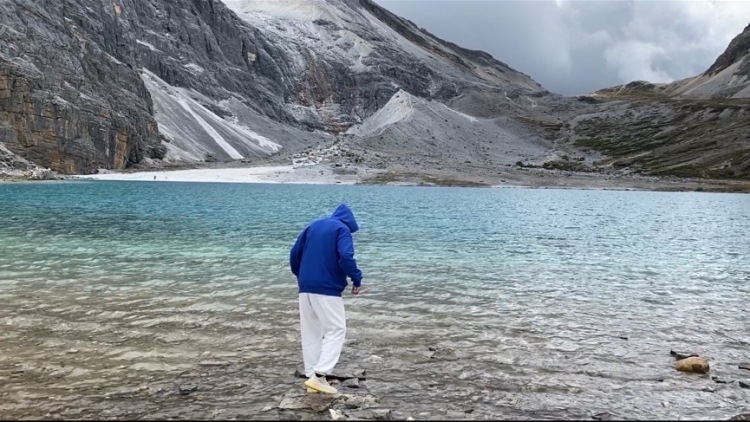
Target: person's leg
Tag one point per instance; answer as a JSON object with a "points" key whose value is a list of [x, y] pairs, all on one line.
{"points": [[311, 333], [330, 312]]}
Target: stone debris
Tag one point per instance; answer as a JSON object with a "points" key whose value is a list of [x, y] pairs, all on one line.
{"points": [[353, 402], [338, 406]]}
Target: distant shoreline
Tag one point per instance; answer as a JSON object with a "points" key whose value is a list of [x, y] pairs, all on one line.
{"points": [[322, 174], [327, 174]]}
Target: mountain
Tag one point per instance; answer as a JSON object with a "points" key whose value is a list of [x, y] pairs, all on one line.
{"points": [[116, 84], [88, 84], [695, 127]]}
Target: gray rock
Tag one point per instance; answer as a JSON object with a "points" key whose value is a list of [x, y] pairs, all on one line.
{"points": [[369, 414], [351, 383], [741, 417], [298, 399], [356, 401], [745, 366], [186, 389], [744, 384]]}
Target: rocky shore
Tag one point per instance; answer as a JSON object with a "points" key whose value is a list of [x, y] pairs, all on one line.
{"points": [[280, 171]]}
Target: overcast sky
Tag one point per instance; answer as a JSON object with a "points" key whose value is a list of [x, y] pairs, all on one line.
{"points": [[575, 47]]}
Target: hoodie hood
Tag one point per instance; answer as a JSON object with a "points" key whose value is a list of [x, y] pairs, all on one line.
{"points": [[346, 216]]}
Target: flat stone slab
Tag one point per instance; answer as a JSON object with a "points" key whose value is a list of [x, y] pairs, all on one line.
{"points": [[300, 400]]}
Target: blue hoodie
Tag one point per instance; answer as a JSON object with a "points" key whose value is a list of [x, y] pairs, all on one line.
{"points": [[323, 254]]}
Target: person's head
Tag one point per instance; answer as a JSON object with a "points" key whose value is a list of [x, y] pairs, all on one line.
{"points": [[345, 214]]}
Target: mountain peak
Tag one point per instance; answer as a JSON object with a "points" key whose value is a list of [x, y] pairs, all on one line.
{"points": [[738, 49]]}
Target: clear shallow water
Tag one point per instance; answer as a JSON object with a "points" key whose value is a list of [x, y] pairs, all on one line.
{"points": [[111, 292]]}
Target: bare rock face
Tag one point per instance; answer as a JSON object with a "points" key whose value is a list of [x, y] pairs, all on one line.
{"points": [[694, 364], [738, 49], [87, 84], [70, 98]]}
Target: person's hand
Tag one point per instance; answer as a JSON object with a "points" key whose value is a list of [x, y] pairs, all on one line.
{"points": [[356, 290]]}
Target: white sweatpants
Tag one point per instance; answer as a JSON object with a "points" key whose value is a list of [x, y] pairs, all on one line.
{"points": [[323, 327]]}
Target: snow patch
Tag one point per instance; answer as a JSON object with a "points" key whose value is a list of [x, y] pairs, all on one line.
{"points": [[194, 68], [188, 104], [194, 132], [470, 118], [148, 45], [399, 107], [112, 58]]}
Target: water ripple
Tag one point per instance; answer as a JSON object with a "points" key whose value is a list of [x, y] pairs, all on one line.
{"points": [[558, 303]]}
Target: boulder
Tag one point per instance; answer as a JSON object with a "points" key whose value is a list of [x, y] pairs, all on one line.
{"points": [[298, 399], [695, 364]]}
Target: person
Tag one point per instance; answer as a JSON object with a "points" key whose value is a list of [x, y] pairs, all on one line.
{"points": [[321, 259]]}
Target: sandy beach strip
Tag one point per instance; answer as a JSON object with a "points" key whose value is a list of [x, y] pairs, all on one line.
{"points": [[264, 174]]}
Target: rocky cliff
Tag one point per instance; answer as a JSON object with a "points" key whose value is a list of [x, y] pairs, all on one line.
{"points": [[86, 84], [70, 95]]}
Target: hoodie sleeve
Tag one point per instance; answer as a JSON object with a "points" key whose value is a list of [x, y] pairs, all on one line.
{"points": [[295, 256], [346, 257]]}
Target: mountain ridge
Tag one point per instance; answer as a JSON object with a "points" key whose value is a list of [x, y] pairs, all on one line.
{"points": [[163, 83]]}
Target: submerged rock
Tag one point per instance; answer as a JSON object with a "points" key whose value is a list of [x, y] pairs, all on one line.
{"points": [[351, 383], [443, 353], [744, 384], [745, 366], [342, 372], [680, 356], [604, 416], [741, 417], [695, 364]]}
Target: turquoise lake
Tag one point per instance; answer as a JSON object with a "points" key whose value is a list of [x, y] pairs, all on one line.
{"points": [[557, 303]]}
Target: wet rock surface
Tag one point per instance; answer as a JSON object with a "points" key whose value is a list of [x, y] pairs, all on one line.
{"points": [[124, 351]]}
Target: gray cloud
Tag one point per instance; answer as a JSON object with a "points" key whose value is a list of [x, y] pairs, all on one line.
{"points": [[574, 47]]}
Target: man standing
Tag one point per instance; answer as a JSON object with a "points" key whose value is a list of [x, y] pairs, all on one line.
{"points": [[321, 259]]}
